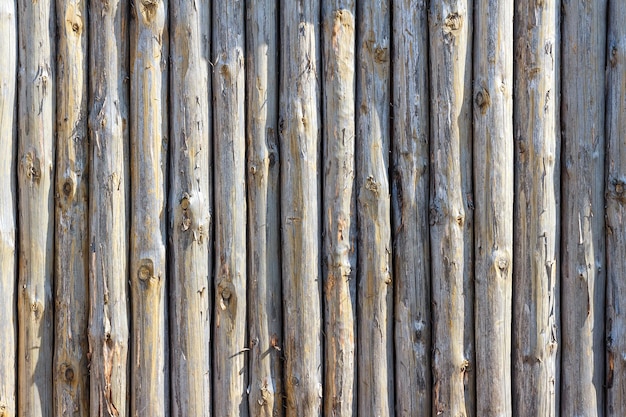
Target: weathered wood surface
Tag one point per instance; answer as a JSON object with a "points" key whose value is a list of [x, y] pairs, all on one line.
{"points": [[149, 368], [339, 206], [265, 398], [299, 134], [410, 196], [35, 178], [616, 212], [583, 274], [374, 272], [190, 206], [493, 196], [8, 224], [536, 266], [451, 208]]}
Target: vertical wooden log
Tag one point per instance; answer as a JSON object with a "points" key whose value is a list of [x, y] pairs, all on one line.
{"points": [[339, 199], [451, 207], [409, 198], [583, 274], [493, 181], [299, 132], [190, 208], [263, 182], [36, 147], [148, 172], [374, 273], [229, 355], [71, 373], [8, 203], [537, 209]]}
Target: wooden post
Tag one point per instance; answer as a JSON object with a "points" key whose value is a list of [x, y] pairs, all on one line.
{"points": [[493, 181], [409, 195], [299, 133], [8, 205], [148, 172], [263, 185], [374, 272], [339, 211], [190, 205], [536, 267], [36, 147]]}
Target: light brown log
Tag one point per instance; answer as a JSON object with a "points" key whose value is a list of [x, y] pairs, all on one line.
{"points": [[149, 368], [190, 205], [583, 273], [493, 181], [265, 398], [536, 267], [409, 198], [339, 210], [374, 272], [35, 175], [299, 133], [451, 208], [8, 205]]}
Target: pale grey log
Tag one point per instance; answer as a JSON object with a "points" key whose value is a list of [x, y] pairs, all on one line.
{"points": [[493, 182], [536, 267], [374, 271], [265, 398], [339, 212], [190, 205], [583, 263], [299, 133], [409, 198]]}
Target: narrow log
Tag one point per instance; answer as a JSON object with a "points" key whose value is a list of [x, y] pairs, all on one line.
{"points": [[339, 211]]}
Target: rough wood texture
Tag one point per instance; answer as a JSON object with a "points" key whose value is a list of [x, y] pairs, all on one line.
{"points": [[493, 181], [374, 272], [71, 373], [536, 267], [8, 202], [299, 133], [35, 176], [616, 212], [410, 181], [265, 398], [190, 204], [339, 211], [230, 376], [583, 273], [451, 207], [148, 172]]}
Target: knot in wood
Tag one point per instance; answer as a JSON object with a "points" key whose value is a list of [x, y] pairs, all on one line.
{"points": [[68, 187], [69, 374], [482, 100], [184, 202], [146, 270], [453, 22]]}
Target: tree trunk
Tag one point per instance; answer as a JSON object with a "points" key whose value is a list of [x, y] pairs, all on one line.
{"points": [[8, 200], [451, 208], [410, 181], [374, 273], [493, 181], [583, 261], [263, 182], [148, 172], [190, 205], [339, 199], [536, 212], [36, 146], [299, 133]]}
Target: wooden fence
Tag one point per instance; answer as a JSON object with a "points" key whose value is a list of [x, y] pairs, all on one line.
{"points": [[306, 208]]}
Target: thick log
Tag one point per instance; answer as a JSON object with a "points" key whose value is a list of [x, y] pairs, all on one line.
{"points": [[409, 199], [374, 272], [493, 182], [536, 267], [339, 211], [263, 185], [299, 133]]}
